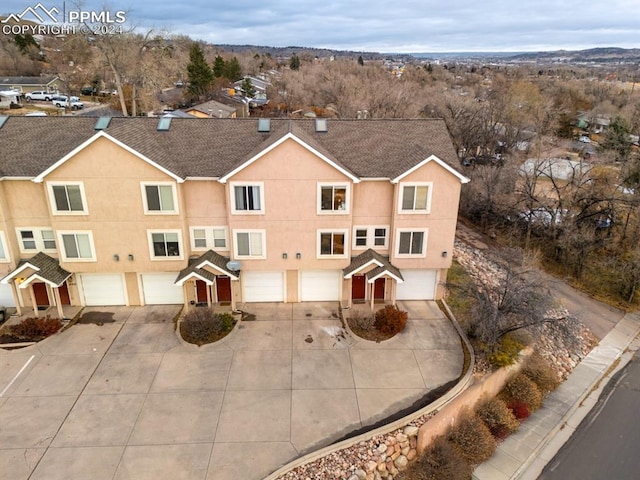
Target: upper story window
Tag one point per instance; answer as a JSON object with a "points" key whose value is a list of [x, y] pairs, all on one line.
{"points": [[203, 238], [67, 198], [370, 237], [4, 255], [247, 198], [415, 197], [77, 246], [411, 243], [165, 244], [250, 244], [36, 239], [332, 243], [159, 198], [333, 198]]}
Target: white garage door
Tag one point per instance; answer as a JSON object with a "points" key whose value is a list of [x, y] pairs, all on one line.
{"points": [[417, 285], [103, 289], [160, 289], [320, 285], [263, 286], [6, 297]]}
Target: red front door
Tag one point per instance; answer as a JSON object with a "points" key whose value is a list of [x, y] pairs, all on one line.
{"points": [[223, 288], [378, 290], [40, 292], [64, 294], [201, 291], [358, 288]]}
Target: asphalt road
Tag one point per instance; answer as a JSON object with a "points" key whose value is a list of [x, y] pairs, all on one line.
{"points": [[605, 445]]}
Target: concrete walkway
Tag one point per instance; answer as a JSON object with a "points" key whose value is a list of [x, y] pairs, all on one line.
{"points": [[524, 454], [125, 398]]}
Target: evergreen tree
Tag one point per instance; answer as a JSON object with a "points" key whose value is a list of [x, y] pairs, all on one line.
{"points": [[247, 88], [616, 138], [219, 67], [360, 60], [199, 74], [294, 63], [233, 71]]}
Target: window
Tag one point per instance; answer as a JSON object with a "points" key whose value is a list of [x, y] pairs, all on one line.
{"points": [[209, 237], [160, 198], [416, 198], [332, 243], [28, 240], [412, 243], [4, 256], [67, 198], [248, 198], [333, 198], [36, 239], [370, 237], [250, 244], [77, 246], [165, 245]]}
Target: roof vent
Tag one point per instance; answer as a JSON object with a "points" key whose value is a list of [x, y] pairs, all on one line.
{"points": [[321, 125], [163, 124], [102, 123], [264, 124]]}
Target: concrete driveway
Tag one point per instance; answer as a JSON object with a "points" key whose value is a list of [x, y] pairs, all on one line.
{"points": [[127, 399]]}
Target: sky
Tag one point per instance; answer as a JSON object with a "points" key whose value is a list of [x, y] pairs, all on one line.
{"points": [[407, 26]]}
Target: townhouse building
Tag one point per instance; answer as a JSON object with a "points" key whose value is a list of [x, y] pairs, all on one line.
{"points": [[140, 211]]}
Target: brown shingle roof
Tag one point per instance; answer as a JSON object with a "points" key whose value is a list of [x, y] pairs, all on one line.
{"points": [[214, 147], [45, 267], [384, 265]]}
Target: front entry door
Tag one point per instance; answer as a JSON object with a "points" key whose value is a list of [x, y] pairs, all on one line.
{"points": [[223, 289], [63, 290], [378, 290], [201, 292], [358, 288], [40, 292]]}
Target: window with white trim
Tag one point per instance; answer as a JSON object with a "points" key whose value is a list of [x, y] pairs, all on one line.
{"points": [[4, 255], [249, 244], [159, 198], [332, 243], [374, 236], [203, 238], [415, 197], [247, 198], [36, 239], [333, 198], [165, 244], [67, 198], [77, 246], [411, 242]]}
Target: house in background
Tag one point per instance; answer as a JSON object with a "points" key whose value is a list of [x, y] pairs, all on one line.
{"points": [[211, 109], [136, 211], [30, 84]]}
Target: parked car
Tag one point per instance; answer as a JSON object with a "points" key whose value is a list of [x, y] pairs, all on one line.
{"points": [[3, 314], [88, 91], [39, 95], [62, 101]]}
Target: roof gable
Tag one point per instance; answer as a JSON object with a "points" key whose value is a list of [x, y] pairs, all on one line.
{"points": [[102, 134], [432, 158], [280, 141]]}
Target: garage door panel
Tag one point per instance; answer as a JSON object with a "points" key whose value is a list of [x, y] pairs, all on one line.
{"points": [[320, 285], [6, 296], [103, 289], [160, 289], [263, 286], [417, 285]]}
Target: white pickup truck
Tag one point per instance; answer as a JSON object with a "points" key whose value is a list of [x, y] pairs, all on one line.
{"points": [[62, 101], [39, 95]]}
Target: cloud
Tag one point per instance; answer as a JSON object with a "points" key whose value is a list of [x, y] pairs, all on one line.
{"points": [[379, 25]]}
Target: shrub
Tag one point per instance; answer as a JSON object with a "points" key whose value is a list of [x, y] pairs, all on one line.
{"points": [[361, 322], [540, 372], [473, 439], [202, 325], [495, 414], [519, 409], [522, 389], [441, 461], [507, 352], [36, 328], [390, 321]]}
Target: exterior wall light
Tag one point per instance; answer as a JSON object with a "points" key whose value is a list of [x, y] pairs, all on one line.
{"points": [[284, 256]]}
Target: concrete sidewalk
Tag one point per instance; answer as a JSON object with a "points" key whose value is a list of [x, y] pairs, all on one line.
{"points": [[524, 454]]}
